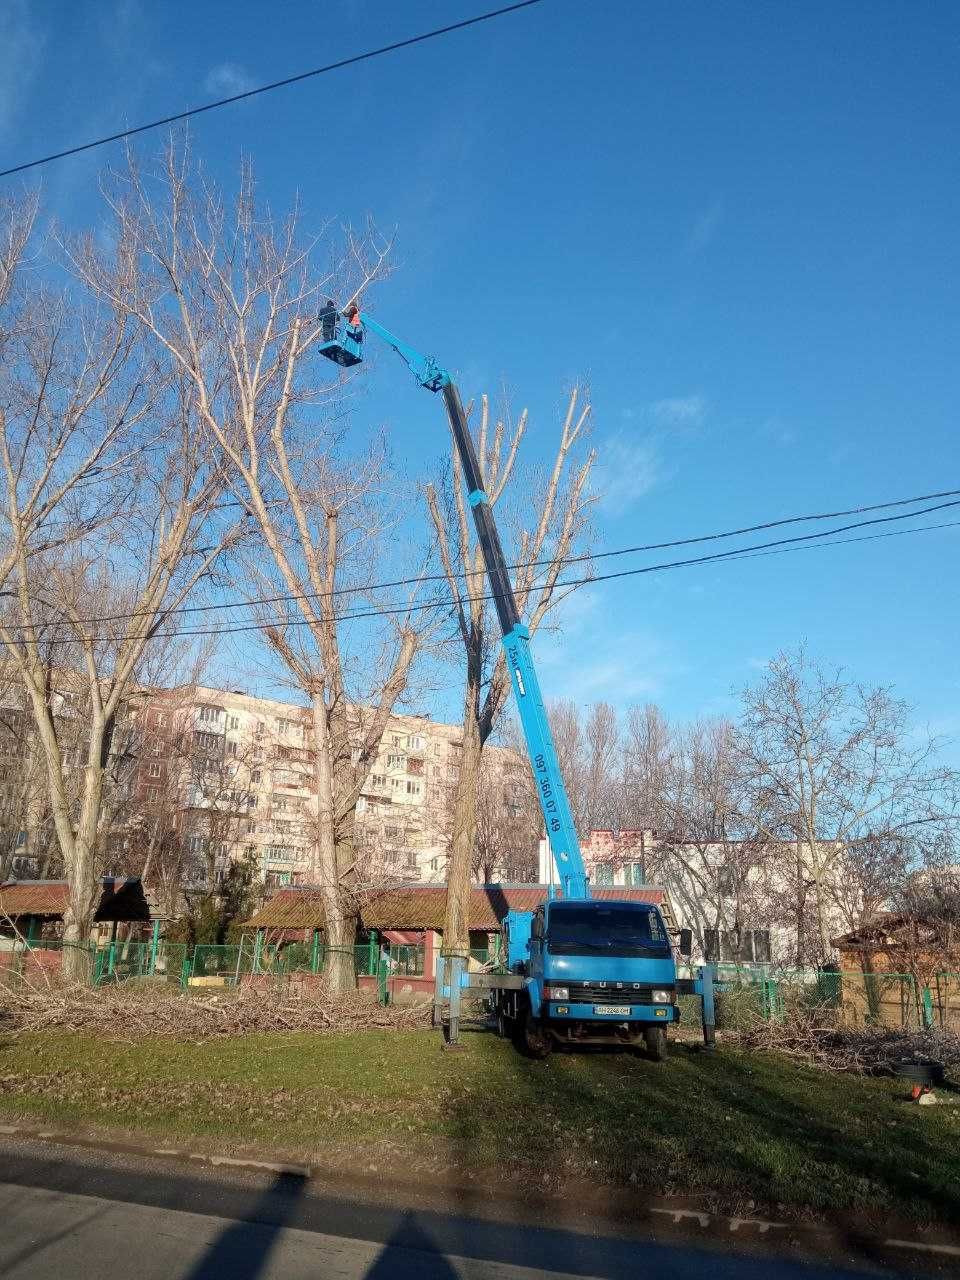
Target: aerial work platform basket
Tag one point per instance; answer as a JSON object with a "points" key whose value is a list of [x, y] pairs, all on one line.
{"points": [[341, 339]]}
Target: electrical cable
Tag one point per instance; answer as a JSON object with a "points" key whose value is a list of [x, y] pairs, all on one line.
{"points": [[362, 589], [268, 88], [740, 553]]}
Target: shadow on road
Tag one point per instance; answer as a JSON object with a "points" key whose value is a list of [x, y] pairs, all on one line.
{"points": [[410, 1254], [243, 1250]]}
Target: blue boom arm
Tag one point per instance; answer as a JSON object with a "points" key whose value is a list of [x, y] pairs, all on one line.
{"points": [[561, 832]]}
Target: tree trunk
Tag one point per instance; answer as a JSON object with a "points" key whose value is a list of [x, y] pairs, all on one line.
{"points": [[339, 931], [82, 877], [456, 934], [823, 932]]}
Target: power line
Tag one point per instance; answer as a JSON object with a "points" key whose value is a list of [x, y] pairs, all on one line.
{"points": [[288, 598], [268, 88], [739, 553]]}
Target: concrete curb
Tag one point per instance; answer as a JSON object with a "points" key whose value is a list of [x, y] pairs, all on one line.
{"points": [[676, 1212]]}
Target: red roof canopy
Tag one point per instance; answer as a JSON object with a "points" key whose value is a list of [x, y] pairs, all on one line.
{"points": [[424, 906]]}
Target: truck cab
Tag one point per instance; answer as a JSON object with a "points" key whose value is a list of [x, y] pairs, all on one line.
{"points": [[595, 971]]}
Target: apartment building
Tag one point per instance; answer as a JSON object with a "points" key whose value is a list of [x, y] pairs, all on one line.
{"points": [[236, 774]]}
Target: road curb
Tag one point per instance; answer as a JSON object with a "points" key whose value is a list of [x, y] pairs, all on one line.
{"points": [[678, 1212]]}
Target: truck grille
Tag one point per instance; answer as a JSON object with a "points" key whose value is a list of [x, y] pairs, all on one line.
{"points": [[612, 992]]}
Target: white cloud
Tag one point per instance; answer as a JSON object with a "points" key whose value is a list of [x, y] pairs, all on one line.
{"points": [[625, 470], [226, 79], [21, 45], [632, 460], [705, 226], [585, 662], [679, 411], [778, 431]]}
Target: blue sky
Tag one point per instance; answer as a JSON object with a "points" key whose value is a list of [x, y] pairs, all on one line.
{"points": [[737, 222]]}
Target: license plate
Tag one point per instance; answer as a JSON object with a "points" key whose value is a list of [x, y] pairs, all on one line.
{"points": [[618, 1010]]}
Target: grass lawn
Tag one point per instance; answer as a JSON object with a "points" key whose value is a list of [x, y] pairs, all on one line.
{"points": [[730, 1126]]}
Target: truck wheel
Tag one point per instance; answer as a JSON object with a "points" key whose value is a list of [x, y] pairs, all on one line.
{"points": [[536, 1042], [655, 1039]]}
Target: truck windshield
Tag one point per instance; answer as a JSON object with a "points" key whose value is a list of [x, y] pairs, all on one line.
{"points": [[613, 929]]}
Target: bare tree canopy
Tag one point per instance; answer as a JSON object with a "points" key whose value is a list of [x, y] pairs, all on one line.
{"points": [[839, 769], [231, 298], [111, 520]]}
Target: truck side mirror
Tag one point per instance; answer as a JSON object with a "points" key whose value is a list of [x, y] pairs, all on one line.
{"points": [[536, 927], [685, 943]]}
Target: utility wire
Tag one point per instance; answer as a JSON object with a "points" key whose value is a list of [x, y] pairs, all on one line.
{"points": [[739, 553], [363, 589], [268, 88]]}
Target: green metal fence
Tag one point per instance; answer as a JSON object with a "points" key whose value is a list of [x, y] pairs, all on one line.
{"points": [[38, 959], [892, 1000], [121, 961]]}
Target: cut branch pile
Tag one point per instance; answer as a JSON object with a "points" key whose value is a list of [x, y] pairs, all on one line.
{"points": [[131, 1013], [813, 1038]]}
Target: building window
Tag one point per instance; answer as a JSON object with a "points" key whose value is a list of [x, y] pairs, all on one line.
{"points": [[603, 873], [726, 883], [233, 722], [160, 719], [154, 769], [394, 761], [231, 748], [208, 741], [208, 714], [397, 740], [361, 804], [415, 742], [414, 788], [633, 874], [152, 794], [379, 779], [255, 776]]}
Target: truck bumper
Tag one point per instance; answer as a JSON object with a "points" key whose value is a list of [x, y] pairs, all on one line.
{"points": [[646, 1014]]}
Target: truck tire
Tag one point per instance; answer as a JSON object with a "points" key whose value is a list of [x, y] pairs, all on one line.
{"points": [[655, 1039], [536, 1042]]}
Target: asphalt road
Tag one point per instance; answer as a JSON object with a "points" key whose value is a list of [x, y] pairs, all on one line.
{"points": [[69, 1212]]}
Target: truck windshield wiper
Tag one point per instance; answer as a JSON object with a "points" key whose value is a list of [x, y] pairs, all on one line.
{"points": [[576, 942]]}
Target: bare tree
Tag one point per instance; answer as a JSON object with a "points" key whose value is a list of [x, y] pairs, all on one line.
{"points": [[233, 298], [713, 867], [838, 772], [109, 497], [552, 521], [648, 752], [566, 725], [509, 822]]}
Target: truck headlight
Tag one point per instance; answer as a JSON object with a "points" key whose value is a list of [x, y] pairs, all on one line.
{"points": [[556, 993], [661, 997]]}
